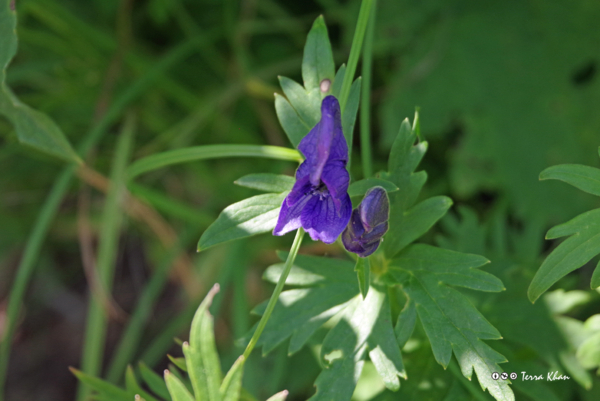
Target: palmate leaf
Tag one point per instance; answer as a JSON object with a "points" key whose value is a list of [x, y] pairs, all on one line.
{"points": [[408, 222], [300, 109], [366, 325], [325, 288], [451, 322], [33, 128], [583, 231]]}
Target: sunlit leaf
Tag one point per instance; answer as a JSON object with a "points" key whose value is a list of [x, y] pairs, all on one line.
{"points": [[267, 182], [255, 215]]}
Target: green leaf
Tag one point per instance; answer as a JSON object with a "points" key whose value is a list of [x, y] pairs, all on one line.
{"points": [[154, 381], [336, 86], [308, 108], [255, 215], [344, 348], [206, 152], [133, 386], [589, 352], [177, 388], [406, 323], [451, 322], [361, 187], [267, 182], [34, 129], [292, 124], [585, 178], [595, 283], [350, 112], [408, 226], [328, 284], [362, 270], [317, 63], [201, 356], [179, 362], [384, 349], [232, 384], [582, 245], [106, 391]]}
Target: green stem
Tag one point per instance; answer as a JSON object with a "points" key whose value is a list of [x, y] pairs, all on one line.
{"points": [[273, 301], [365, 109], [359, 34]]}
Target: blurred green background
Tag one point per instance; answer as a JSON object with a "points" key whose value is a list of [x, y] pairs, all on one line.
{"points": [[505, 89]]}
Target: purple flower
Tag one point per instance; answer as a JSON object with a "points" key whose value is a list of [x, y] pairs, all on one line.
{"points": [[319, 200], [368, 223]]}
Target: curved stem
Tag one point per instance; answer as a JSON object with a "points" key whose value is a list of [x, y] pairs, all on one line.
{"points": [[275, 296]]}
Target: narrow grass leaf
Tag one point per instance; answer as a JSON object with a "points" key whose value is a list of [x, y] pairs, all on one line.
{"points": [[105, 390], [255, 215], [267, 182], [195, 153], [362, 270], [154, 381]]}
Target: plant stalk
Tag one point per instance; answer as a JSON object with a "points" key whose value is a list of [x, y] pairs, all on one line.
{"points": [[365, 107], [275, 296]]}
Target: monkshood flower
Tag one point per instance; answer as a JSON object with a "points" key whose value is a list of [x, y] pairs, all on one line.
{"points": [[319, 200], [368, 223]]}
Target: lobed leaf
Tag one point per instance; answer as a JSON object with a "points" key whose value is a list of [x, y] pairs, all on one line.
{"points": [[267, 182], [255, 215], [406, 323], [451, 322], [330, 283], [582, 245], [583, 177]]}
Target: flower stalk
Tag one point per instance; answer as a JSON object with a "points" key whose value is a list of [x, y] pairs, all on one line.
{"points": [[275, 296]]}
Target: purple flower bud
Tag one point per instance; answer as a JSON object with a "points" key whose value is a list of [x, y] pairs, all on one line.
{"points": [[368, 223]]}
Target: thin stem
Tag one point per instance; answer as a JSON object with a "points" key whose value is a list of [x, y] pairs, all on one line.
{"points": [[271, 305], [359, 34], [365, 109]]}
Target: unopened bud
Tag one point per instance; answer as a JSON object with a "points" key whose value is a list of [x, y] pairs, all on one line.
{"points": [[369, 222]]}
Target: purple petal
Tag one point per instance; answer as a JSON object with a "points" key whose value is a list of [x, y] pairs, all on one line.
{"points": [[375, 234], [336, 178], [368, 249], [374, 208], [350, 242], [301, 187], [290, 215], [325, 141], [323, 221]]}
